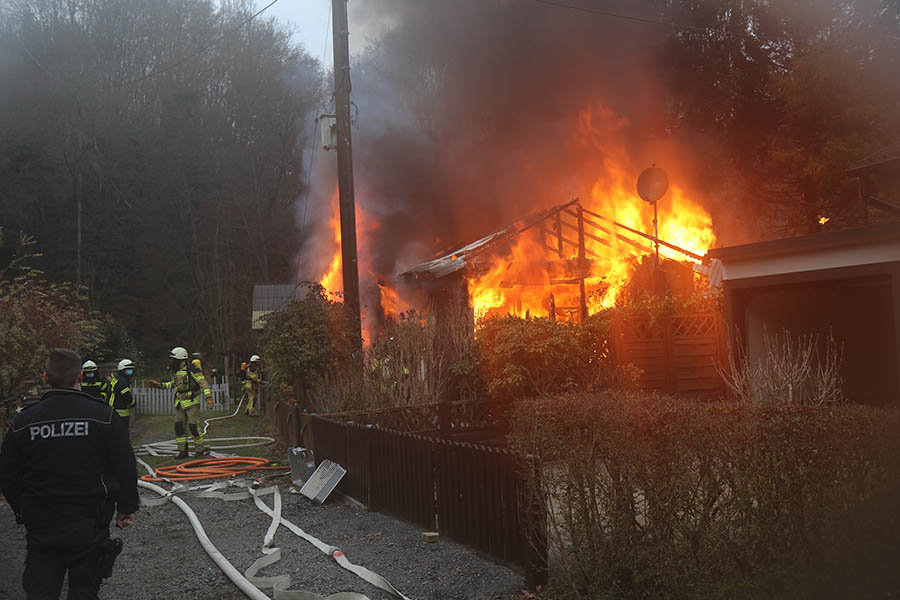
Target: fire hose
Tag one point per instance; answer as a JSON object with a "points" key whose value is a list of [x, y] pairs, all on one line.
{"points": [[248, 582], [211, 468], [170, 447]]}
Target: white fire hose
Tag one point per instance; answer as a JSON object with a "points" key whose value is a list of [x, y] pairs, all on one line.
{"points": [[249, 582], [170, 447]]}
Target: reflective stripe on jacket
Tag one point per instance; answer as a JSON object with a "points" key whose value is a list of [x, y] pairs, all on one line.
{"points": [[98, 389], [120, 396], [187, 386]]}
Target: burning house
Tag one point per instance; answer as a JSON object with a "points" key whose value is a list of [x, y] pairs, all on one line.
{"points": [[568, 262], [564, 262]]}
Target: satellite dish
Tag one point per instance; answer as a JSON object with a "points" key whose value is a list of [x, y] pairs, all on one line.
{"points": [[652, 184]]}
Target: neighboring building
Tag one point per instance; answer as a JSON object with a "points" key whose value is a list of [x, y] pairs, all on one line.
{"points": [[268, 298], [846, 282]]}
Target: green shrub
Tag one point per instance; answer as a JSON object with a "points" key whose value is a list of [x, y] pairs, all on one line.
{"points": [[35, 316], [309, 354], [540, 356], [652, 497]]}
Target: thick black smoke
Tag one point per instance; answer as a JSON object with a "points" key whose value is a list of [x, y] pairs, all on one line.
{"points": [[469, 116]]}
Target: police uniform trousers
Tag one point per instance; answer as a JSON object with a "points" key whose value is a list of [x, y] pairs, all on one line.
{"points": [[53, 552]]}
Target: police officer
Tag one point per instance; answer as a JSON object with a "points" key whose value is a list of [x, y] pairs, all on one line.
{"points": [[91, 382], [120, 396], [188, 383], [65, 466]]}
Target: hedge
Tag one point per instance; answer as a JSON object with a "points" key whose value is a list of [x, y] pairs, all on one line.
{"points": [[653, 497]]}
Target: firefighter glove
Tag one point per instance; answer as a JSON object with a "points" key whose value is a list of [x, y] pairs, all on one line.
{"points": [[154, 383], [209, 402]]}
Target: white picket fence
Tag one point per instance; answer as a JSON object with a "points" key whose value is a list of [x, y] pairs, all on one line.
{"points": [[151, 401]]}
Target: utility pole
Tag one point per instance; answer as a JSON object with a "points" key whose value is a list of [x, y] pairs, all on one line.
{"points": [[350, 270]]}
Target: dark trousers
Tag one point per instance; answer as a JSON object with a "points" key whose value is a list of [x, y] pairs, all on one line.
{"points": [[46, 567]]}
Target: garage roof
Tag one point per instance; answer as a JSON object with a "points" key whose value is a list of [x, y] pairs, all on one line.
{"points": [[808, 243]]}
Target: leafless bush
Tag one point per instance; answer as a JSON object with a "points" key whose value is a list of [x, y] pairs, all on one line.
{"points": [[344, 391], [800, 369], [407, 367]]}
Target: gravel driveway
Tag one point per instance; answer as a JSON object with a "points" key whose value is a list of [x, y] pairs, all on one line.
{"points": [[163, 559]]}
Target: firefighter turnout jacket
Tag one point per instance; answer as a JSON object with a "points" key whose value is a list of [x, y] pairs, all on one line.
{"points": [[188, 383], [254, 377], [98, 390], [64, 462], [120, 396]]}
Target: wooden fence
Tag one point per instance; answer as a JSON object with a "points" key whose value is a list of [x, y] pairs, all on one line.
{"points": [[150, 401], [482, 421], [477, 495], [286, 418], [677, 354]]}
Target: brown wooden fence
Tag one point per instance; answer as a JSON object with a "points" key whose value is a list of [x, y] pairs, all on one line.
{"points": [[477, 495], [677, 354], [481, 421], [286, 418]]}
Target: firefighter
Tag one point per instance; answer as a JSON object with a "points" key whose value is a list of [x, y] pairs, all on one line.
{"points": [[119, 390], [92, 384], [242, 381], [65, 468], [253, 383], [188, 383]]}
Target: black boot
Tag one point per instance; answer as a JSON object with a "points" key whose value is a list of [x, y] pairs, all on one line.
{"points": [[182, 453]]}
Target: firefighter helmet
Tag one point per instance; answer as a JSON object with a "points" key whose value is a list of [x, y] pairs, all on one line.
{"points": [[254, 358], [125, 363], [178, 353], [89, 365]]}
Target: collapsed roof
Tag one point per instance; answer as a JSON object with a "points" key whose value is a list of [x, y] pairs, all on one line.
{"points": [[460, 259]]}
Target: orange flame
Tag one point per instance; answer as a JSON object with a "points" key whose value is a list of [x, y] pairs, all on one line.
{"points": [[534, 280], [536, 277], [332, 280]]}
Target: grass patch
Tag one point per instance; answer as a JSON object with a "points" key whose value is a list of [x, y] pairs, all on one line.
{"points": [[160, 428]]}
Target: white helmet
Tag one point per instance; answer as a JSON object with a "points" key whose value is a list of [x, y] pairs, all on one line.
{"points": [[254, 358], [178, 353], [89, 365], [125, 363]]}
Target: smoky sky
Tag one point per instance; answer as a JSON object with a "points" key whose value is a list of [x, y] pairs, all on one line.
{"points": [[468, 113]]}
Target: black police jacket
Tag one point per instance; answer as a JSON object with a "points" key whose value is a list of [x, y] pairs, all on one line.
{"points": [[64, 458]]}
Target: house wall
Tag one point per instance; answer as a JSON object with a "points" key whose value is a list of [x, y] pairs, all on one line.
{"points": [[858, 306]]}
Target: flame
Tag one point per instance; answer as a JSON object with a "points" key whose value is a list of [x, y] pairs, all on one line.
{"points": [[823, 219], [526, 281], [332, 280], [532, 279], [391, 303]]}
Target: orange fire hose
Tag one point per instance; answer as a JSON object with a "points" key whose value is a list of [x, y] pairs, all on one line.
{"points": [[211, 468]]}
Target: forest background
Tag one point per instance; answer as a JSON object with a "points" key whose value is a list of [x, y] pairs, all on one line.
{"points": [[157, 152]]}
